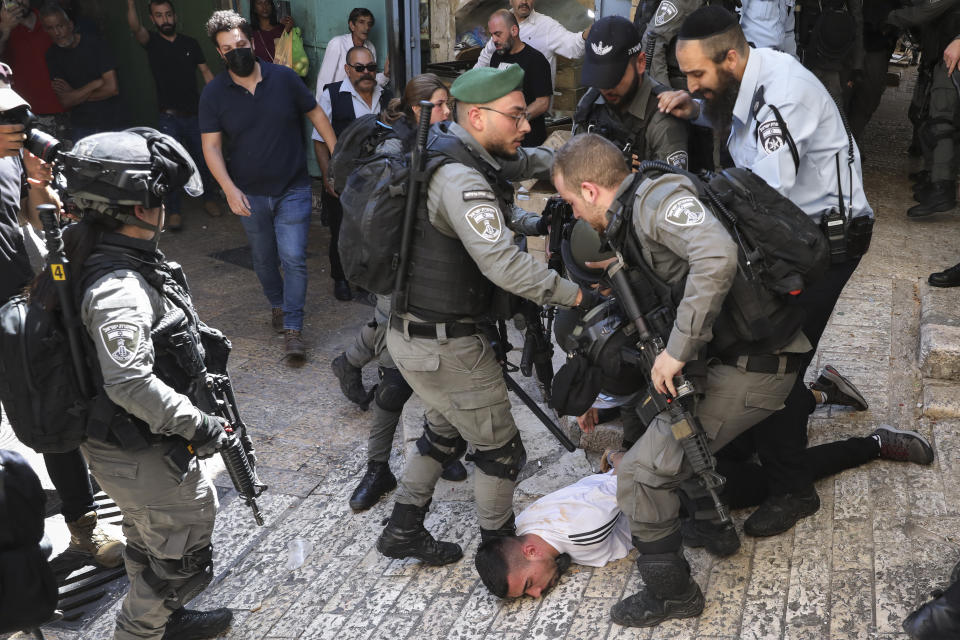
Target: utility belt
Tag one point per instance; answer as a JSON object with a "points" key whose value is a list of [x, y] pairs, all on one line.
{"points": [[848, 240], [434, 330], [780, 364]]}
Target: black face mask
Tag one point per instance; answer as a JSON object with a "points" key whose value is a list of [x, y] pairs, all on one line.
{"points": [[241, 61]]}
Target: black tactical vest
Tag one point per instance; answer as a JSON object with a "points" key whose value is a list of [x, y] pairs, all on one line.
{"points": [[445, 283]]}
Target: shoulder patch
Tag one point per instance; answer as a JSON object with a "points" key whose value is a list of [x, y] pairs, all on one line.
{"points": [[678, 159], [478, 194], [485, 220], [666, 12], [770, 135], [686, 212], [121, 340]]}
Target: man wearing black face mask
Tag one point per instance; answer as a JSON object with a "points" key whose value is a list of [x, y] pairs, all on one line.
{"points": [[255, 108], [174, 60]]}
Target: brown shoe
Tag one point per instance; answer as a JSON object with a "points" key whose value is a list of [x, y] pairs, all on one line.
{"points": [[276, 319], [293, 345], [87, 537], [212, 208]]}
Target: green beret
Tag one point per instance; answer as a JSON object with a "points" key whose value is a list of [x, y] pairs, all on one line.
{"points": [[486, 84]]}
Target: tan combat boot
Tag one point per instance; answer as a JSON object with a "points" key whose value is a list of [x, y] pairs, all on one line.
{"points": [[87, 537]]}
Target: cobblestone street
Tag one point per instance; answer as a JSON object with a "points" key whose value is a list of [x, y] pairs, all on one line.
{"points": [[885, 536]]}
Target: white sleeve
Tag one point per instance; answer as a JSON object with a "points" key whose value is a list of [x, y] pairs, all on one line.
{"points": [[486, 54], [569, 44], [332, 60]]}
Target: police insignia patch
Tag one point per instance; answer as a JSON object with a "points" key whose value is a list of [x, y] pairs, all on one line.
{"points": [[666, 12], [485, 221], [121, 339], [771, 137], [686, 212], [678, 159]]}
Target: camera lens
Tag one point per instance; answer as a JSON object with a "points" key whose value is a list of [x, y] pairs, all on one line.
{"points": [[42, 145]]}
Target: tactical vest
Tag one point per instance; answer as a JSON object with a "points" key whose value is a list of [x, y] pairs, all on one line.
{"points": [[109, 422], [342, 112], [445, 283], [592, 116]]}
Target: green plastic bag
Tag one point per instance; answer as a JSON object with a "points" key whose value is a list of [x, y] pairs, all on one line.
{"points": [[290, 52]]}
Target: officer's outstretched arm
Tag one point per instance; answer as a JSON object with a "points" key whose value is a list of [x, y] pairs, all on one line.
{"points": [[683, 225], [531, 162], [920, 13], [457, 195], [118, 315]]}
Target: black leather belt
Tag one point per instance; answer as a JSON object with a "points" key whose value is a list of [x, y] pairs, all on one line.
{"points": [[429, 330], [790, 363]]}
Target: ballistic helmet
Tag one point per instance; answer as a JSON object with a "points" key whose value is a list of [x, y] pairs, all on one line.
{"points": [[580, 244], [105, 171]]}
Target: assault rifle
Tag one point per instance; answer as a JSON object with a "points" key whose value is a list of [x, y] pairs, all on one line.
{"points": [[497, 335], [685, 426], [212, 392], [537, 346]]}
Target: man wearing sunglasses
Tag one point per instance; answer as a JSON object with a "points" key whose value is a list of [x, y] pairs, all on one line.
{"points": [[356, 95]]}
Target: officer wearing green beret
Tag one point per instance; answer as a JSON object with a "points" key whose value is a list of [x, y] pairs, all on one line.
{"points": [[463, 262]]}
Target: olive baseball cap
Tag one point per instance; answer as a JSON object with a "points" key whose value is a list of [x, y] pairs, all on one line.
{"points": [[9, 99], [610, 44], [486, 84]]}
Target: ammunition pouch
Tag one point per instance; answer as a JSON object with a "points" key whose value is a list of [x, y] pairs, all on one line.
{"points": [[490, 461]]}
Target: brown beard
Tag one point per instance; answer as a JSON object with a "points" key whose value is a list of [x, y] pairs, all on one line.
{"points": [[719, 109]]}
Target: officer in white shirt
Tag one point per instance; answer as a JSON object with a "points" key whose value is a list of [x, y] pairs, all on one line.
{"points": [[785, 127], [770, 24], [544, 34], [360, 23], [580, 523]]}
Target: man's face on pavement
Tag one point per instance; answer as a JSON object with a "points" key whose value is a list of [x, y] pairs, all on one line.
{"points": [[362, 80], [623, 92], [164, 18], [536, 576], [521, 8], [361, 27], [503, 36], [59, 28]]}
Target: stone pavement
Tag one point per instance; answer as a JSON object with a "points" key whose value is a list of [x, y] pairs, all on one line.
{"points": [[885, 536]]}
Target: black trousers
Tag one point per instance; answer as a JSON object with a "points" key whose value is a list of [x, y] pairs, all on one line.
{"points": [[70, 477], [747, 481], [781, 439], [333, 213]]}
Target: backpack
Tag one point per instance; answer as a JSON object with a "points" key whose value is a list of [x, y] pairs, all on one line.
{"points": [[28, 589], [781, 252], [355, 145], [38, 385]]}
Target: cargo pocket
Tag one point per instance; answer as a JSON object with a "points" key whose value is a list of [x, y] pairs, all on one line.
{"points": [[171, 530], [759, 400], [481, 415], [425, 363], [113, 467]]}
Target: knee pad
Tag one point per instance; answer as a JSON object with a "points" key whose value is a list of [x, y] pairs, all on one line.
{"points": [[427, 446], [393, 391], [502, 462], [197, 566]]}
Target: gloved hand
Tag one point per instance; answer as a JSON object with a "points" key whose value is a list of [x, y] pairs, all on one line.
{"points": [[210, 436]]}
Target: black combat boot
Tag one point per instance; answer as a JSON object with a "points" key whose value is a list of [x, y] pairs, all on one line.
{"points": [[946, 278], [780, 512], [454, 471], [669, 592], [938, 619], [940, 197], [375, 483], [351, 381], [509, 528], [405, 537], [186, 624], [923, 175], [838, 390], [718, 538]]}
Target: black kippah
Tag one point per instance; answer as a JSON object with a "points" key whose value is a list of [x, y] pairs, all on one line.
{"points": [[705, 22]]}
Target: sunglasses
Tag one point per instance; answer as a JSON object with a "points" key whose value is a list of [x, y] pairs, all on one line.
{"points": [[360, 68]]}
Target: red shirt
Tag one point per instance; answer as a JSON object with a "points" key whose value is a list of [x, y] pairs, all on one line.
{"points": [[25, 54], [265, 42]]}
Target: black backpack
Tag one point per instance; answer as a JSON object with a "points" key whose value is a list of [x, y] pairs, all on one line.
{"points": [[38, 386], [356, 145], [28, 589]]}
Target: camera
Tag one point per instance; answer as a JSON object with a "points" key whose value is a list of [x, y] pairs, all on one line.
{"points": [[39, 143]]}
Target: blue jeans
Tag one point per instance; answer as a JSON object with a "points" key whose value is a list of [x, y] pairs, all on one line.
{"points": [[277, 232], [186, 131]]}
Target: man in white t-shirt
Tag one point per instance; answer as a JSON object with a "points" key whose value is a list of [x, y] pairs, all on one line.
{"points": [[544, 34], [580, 523], [360, 23]]}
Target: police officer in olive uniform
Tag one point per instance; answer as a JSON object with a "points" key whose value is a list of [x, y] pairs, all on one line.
{"points": [[659, 25], [940, 21], [621, 104], [463, 260], [681, 242], [145, 435]]}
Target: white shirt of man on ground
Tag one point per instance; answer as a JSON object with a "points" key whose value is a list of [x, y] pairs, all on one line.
{"points": [[544, 34]]}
